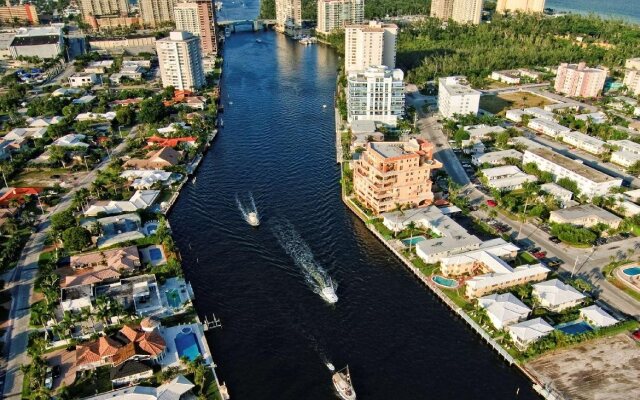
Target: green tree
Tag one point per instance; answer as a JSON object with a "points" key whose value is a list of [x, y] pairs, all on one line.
{"points": [[63, 220], [152, 110], [125, 116], [76, 238]]}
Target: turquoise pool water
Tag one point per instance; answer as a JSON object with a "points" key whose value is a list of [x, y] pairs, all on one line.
{"points": [[187, 345], [445, 282], [155, 254], [574, 327], [632, 271], [413, 241], [173, 298]]}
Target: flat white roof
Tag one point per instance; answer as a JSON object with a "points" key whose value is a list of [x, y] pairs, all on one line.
{"points": [[556, 190], [497, 172], [457, 86], [551, 125], [499, 156]]}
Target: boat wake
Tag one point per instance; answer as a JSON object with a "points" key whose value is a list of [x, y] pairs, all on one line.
{"points": [[249, 211], [315, 276]]}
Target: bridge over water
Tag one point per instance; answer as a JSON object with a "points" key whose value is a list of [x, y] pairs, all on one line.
{"points": [[254, 24]]}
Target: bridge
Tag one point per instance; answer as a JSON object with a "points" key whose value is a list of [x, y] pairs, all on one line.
{"points": [[255, 24]]}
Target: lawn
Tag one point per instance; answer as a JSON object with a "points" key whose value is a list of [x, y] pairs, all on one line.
{"points": [[43, 177], [498, 104]]}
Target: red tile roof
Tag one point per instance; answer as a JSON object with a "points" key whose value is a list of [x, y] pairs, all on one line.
{"points": [[170, 142], [18, 194]]}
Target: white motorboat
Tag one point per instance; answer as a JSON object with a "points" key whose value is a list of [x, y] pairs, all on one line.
{"points": [[328, 293], [252, 219], [344, 386]]}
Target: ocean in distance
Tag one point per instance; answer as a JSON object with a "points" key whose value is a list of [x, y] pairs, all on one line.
{"points": [[628, 10]]}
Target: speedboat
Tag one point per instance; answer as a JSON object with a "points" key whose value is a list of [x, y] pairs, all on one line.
{"points": [[342, 383], [252, 219], [328, 293]]}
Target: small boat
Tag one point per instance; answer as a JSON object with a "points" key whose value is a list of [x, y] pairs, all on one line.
{"points": [[344, 386], [258, 40], [221, 123], [324, 106], [194, 180], [328, 293], [331, 367], [252, 219]]}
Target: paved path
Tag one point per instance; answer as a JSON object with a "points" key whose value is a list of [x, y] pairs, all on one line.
{"points": [[21, 287]]}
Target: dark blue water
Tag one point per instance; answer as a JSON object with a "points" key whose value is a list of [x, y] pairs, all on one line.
{"points": [[278, 142], [628, 10]]}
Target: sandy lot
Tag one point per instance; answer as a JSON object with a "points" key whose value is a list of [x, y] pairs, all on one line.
{"points": [[607, 368]]}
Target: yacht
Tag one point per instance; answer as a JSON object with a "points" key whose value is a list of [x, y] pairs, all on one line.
{"points": [[342, 383], [328, 293], [252, 219]]}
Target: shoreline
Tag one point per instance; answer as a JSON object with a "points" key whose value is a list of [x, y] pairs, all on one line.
{"points": [[538, 387]]}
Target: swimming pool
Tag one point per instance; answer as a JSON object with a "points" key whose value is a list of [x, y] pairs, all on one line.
{"points": [[450, 283], [187, 345], [173, 298], [413, 241], [574, 327], [155, 254], [632, 271]]}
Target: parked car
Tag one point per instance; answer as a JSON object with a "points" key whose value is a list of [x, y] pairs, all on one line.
{"points": [[554, 239], [491, 203], [636, 335], [540, 255]]}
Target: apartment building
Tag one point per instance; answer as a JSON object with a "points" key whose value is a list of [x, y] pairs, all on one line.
{"points": [[23, 13], [496, 158], [522, 6], [506, 178], [627, 153], [590, 182], [548, 127], [370, 46], [180, 61], [584, 142], [337, 14], [586, 215], [455, 96], [99, 8], [156, 12], [632, 76], [376, 94], [461, 11], [391, 173], [198, 18], [288, 13], [578, 80]]}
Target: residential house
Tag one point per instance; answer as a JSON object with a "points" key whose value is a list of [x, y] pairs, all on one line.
{"points": [[177, 389], [163, 158], [71, 140], [525, 333], [130, 372], [145, 179], [83, 79], [172, 142], [496, 158], [556, 296], [84, 100], [91, 116], [506, 178], [20, 134], [138, 293], [504, 309], [17, 195], [141, 200], [597, 317], [117, 229]]}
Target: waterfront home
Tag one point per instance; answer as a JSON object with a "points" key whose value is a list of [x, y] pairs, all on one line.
{"points": [[116, 229], [173, 127], [139, 293], [122, 258], [506, 178], [179, 388], [597, 317], [586, 215], [590, 181], [391, 173], [141, 200], [163, 158], [561, 194], [503, 278], [496, 157], [129, 343], [525, 333], [556, 296], [171, 142], [504, 309], [489, 256], [130, 372], [548, 127], [145, 179]]}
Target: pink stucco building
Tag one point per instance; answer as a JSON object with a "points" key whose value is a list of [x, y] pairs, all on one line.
{"points": [[578, 80]]}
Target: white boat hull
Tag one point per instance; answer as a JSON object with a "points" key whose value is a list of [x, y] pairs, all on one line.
{"points": [[343, 386]]}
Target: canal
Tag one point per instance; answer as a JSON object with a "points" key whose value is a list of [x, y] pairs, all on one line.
{"points": [[399, 341]]}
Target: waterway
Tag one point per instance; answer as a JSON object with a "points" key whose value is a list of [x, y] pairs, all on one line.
{"points": [[278, 142]]}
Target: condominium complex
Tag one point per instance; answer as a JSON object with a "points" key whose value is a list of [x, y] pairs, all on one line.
{"points": [[455, 96], [632, 76], [391, 173], [336, 14], [523, 6], [461, 11], [375, 94], [370, 45], [590, 181], [23, 13], [155, 12], [578, 80], [288, 13], [98, 8], [198, 18], [180, 61]]}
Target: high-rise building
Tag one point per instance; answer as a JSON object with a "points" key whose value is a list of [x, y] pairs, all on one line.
{"points": [[155, 12], [455, 96], [288, 13], [375, 94], [336, 14], [578, 80], [99, 8], [198, 18], [180, 61], [370, 45], [523, 6], [461, 11], [392, 173], [23, 13], [632, 76]]}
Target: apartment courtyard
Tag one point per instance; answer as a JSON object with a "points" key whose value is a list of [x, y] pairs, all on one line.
{"points": [[603, 369]]}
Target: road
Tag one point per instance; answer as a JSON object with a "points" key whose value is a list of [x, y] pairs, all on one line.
{"points": [[22, 281], [589, 261]]}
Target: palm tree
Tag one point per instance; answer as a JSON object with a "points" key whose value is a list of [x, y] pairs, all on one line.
{"points": [[411, 226]]}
